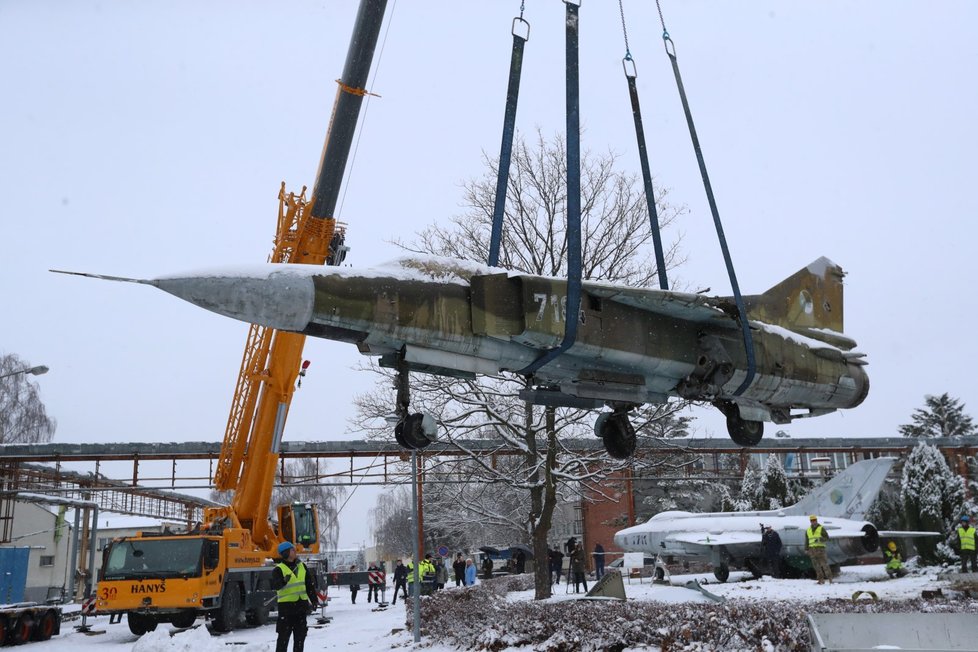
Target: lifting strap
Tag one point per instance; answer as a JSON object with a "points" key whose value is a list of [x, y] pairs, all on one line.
{"points": [[509, 127], [573, 311], [631, 72], [738, 299]]}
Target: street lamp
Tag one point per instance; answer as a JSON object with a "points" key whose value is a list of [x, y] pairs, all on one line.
{"points": [[33, 371]]}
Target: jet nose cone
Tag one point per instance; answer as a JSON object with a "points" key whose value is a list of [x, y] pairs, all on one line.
{"points": [[274, 298]]}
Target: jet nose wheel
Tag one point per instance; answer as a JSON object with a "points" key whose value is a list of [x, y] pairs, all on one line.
{"points": [[415, 432], [618, 434], [744, 432]]}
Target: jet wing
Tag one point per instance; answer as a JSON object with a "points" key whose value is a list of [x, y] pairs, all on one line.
{"points": [[906, 534], [680, 305], [714, 538]]}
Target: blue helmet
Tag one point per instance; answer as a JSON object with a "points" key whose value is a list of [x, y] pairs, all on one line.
{"points": [[284, 547], [965, 518]]}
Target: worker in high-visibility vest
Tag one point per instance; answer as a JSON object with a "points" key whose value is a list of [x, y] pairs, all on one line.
{"points": [[296, 594], [966, 544], [816, 539], [894, 562]]}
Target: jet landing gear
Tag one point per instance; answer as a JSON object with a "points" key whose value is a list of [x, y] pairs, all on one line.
{"points": [[742, 432], [617, 432], [413, 431]]}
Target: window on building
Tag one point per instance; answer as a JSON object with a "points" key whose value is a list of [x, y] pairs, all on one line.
{"points": [[47, 560]]}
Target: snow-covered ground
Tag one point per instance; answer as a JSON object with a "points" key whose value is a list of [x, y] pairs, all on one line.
{"points": [[357, 627]]}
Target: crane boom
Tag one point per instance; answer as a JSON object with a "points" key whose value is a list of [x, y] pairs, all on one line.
{"points": [[219, 569]]}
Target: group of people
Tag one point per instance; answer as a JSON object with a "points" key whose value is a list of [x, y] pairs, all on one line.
{"points": [[962, 539], [577, 566], [433, 574]]}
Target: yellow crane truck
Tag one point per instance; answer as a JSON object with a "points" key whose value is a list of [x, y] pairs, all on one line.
{"points": [[222, 568]]}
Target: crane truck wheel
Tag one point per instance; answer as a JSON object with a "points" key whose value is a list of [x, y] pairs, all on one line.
{"points": [[184, 619], [227, 614], [139, 624]]}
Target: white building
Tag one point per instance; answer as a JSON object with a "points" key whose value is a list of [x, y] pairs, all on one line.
{"points": [[46, 534]]}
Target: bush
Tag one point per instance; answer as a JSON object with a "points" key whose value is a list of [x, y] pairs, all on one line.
{"points": [[480, 618]]}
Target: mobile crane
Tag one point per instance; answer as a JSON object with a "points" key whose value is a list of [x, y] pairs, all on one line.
{"points": [[219, 568]]}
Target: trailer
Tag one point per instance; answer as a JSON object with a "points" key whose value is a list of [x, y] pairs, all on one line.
{"points": [[28, 621]]}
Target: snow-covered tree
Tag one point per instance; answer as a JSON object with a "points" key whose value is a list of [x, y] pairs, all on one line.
{"points": [[749, 497], [616, 247], [23, 418], [932, 498], [941, 416], [773, 489]]}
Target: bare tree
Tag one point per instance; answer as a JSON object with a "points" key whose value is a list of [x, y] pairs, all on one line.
{"points": [[392, 528], [617, 246], [23, 418], [301, 484]]}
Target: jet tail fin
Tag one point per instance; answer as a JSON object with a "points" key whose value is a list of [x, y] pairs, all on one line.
{"points": [[807, 302], [849, 494]]}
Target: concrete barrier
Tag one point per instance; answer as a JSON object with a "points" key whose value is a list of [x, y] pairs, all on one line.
{"points": [[900, 631]]}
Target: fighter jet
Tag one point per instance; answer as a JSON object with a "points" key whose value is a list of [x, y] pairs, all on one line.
{"points": [[733, 539], [633, 345]]}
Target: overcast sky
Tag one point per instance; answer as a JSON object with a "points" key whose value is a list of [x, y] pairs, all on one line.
{"points": [[141, 138]]}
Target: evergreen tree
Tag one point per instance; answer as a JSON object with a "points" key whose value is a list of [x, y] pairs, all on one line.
{"points": [[932, 497], [747, 500], [773, 490], [942, 416]]}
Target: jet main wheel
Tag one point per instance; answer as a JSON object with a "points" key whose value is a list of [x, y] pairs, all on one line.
{"points": [[721, 572], [743, 432], [618, 434], [410, 434]]}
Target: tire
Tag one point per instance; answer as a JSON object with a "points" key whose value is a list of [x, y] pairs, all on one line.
{"points": [[22, 629], [413, 432], [743, 432], [257, 617], [226, 616], [722, 572], [618, 435], [139, 624], [184, 619], [46, 626], [660, 575]]}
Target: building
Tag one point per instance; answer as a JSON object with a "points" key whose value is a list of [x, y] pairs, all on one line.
{"points": [[40, 540]]}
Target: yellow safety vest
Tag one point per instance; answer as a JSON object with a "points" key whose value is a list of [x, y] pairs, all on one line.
{"points": [[967, 538], [893, 561], [410, 573], [295, 584], [815, 538]]}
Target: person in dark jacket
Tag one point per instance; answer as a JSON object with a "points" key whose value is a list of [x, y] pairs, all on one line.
{"points": [[400, 580], [520, 561], [598, 561], [373, 589], [556, 565], [296, 588], [578, 560], [354, 588], [458, 568], [771, 541], [487, 568]]}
